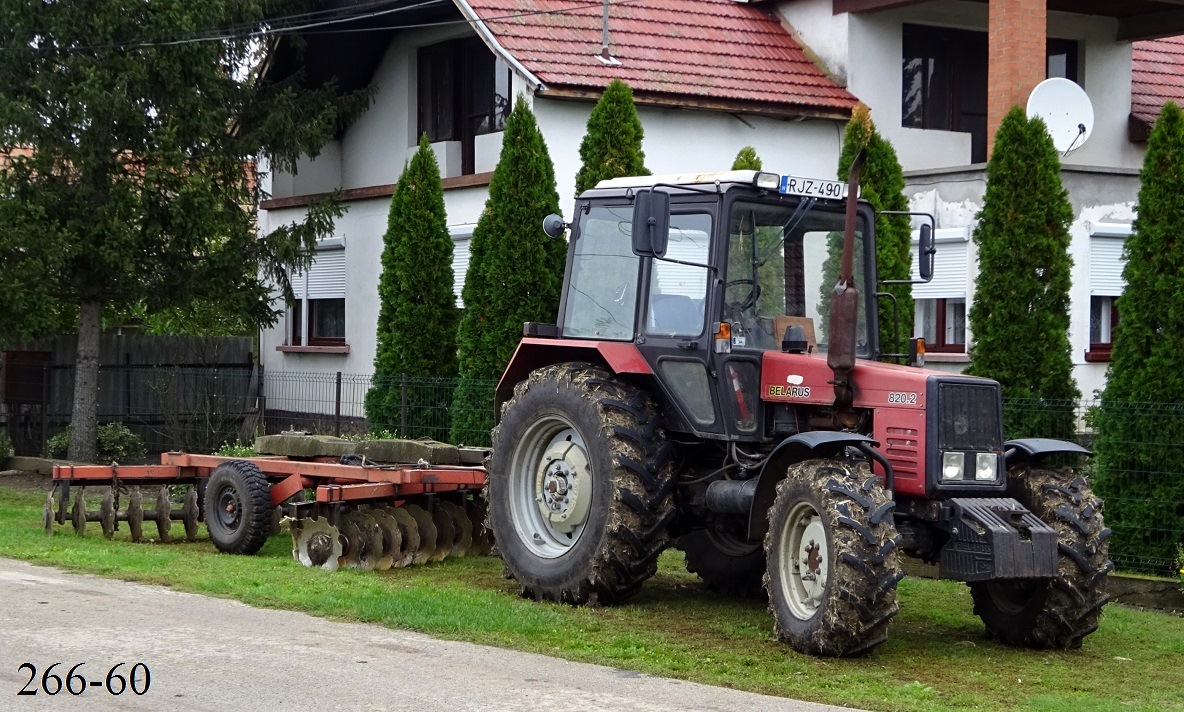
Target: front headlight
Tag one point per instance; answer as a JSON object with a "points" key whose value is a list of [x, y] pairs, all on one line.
{"points": [[953, 465], [986, 466]]}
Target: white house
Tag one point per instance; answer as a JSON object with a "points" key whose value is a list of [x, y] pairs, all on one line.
{"points": [[711, 76]]}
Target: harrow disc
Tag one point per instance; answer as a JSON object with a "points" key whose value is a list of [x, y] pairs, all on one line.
{"points": [[372, 539], [164, 511], [315, 543], [410, 532], [135, 514], [427, 533], [463, 528], [445, 534], [79, 512], [107, 513], [351, 544], [47, 513], [191, 513], [392, 538]]}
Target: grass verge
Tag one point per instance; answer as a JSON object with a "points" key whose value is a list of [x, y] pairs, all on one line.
{"points": [[936, 658]]}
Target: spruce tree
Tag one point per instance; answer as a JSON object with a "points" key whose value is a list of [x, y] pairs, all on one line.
{"points": [[417, 315], [882, 185], [612, 146], [1141, 422], [747, 160], [515, 271], [1020, 315]]}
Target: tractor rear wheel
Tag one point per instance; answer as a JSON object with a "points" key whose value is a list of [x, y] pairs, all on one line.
{"points": [[832, 560], [1056, 613], [580, 485], [725, 562], [237, 507]]}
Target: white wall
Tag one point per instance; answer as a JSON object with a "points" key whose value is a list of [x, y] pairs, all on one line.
{"points": [[867, 50], [678, 141]]}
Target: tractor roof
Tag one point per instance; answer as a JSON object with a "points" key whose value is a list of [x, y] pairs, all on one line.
{"points": [[744, 177]]}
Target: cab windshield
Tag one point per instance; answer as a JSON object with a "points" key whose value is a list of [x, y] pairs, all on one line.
{"points": [[783, 263]]}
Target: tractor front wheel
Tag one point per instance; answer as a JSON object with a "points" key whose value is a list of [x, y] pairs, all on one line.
{"points": [[580, 485], [1052, 613], [832, 560]]}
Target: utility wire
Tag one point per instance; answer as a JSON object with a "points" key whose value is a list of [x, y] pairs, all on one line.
{"points": [[232, 33]]}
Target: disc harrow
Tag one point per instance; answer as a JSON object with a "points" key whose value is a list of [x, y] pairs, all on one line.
{"points": [[360, 514]]}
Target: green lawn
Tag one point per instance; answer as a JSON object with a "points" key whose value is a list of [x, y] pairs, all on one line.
{"points": [[936, 658]]}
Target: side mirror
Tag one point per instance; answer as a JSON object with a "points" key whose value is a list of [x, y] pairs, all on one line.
{"points": [[926, 250], [554, 226], [651, 222]]}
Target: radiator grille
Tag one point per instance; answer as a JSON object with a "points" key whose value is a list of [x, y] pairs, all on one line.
{"points": [[970, 417], [901, 450]]}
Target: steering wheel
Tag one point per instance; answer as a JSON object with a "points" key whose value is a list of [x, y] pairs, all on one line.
{"points": [[748, 301], [619, 293]]}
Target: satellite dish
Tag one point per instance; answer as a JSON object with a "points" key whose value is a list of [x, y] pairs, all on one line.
{"points": [[1066, 110]]}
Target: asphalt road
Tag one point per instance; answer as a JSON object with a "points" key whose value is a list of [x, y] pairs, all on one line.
{"points": [[218, 655]]}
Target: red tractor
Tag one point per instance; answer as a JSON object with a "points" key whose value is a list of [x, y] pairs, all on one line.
{"points": [[706, 385]]}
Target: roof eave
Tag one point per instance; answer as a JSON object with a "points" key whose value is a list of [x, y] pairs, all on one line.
{"points": [[698, 103]]}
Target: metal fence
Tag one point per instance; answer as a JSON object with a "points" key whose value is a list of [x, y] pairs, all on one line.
{"points": [[1140, 470]]}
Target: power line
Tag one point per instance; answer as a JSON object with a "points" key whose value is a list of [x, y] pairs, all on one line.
{"points": [[227, 34]]}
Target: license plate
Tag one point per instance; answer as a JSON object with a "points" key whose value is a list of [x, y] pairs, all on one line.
{"points": [[813, 187]]}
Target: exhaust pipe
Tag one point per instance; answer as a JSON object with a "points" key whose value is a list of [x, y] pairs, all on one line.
{"points": [[844, 306]]}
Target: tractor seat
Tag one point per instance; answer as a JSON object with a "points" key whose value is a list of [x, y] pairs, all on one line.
{"points": [[676, 314]]}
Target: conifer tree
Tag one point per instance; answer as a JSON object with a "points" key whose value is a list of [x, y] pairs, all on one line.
{"points": [[612, 146], [417, 315], [515, 271], [1020, 316], [747, 160], [1138, 443], [882, 185]]}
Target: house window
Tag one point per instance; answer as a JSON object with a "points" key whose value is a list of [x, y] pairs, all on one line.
{"points": [[1103, 317], [943, 324], [317, 318], [464, 92], [945, 80]]}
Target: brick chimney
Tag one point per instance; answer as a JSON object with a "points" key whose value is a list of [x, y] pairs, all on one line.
{"points": [[1017, 61]]}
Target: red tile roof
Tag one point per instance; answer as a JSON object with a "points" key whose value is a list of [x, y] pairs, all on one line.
{"points": [[1157, 76], [714, 53]]}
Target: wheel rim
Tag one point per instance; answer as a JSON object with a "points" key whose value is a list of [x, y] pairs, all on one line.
{"points": [[550, 487], [229, 510], [805, 557]]}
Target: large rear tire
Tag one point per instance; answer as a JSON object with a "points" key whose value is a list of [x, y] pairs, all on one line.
{"points": [[1056, 613], [832, 560], [238, 507], [580, 485], [725, 562]]}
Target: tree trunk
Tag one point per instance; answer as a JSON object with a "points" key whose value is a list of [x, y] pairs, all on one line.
{"points": [[83, 426]]}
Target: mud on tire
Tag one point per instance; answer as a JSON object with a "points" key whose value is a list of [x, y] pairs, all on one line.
{"points": [[832, 558], [580, 485], [1056, 613]]}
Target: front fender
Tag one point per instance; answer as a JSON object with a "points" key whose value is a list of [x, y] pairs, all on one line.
{"points": [[1033, 450], [794, 449]]}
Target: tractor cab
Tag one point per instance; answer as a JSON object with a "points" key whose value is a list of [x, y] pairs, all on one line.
{"points": [[708, 273]]}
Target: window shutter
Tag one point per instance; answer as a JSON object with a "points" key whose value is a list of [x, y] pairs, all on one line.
{"points": [[950, 265], [460, 264], [326, 277], [1105, 259]]}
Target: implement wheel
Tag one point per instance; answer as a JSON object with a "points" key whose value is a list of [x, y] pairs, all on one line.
{"points": [[1053, 613], [237, 507], [580, 485], [832, 561]]}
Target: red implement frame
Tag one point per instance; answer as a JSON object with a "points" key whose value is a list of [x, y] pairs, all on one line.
{"points": [[334, 482]]}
